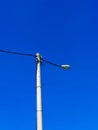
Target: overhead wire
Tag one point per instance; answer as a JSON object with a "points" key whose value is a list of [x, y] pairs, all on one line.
{"points": [[25, 54], [17, 53]]}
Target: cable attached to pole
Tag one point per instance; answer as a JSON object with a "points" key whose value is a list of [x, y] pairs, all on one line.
{"points": [[24, 54], [17, 53]]}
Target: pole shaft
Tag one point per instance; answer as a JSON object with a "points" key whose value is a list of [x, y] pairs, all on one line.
{"points": [[38, 93]]}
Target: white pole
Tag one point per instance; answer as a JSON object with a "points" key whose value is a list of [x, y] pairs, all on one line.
{"points": [[38, 93]]}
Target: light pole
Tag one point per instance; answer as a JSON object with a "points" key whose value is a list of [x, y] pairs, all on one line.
{"points": [[39, 59], [38, 89], [38, 93]]}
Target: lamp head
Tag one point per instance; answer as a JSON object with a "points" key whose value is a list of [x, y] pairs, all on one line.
{"points": [[66, 67]]}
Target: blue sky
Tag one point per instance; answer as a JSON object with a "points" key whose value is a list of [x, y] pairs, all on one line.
{"points": [[63, 32]]}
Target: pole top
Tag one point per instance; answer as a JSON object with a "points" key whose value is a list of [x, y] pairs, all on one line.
{"points": [[38, 57]]}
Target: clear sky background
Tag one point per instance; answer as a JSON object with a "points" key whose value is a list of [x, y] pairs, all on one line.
{"points": [[64, 31]]}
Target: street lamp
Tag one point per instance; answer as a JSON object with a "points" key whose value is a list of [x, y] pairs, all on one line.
{"points": [[39, 60], [38, 88]]}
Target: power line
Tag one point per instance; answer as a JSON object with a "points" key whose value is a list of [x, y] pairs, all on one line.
{"points": [[17, 53], [24, 54]]}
